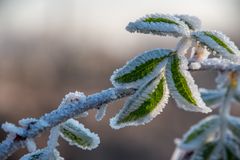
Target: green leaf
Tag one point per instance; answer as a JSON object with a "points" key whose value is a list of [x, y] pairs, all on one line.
{"points": [[180, 81], [219, 43], [144, 105], [232, 147], [230, 155], [159, 19], [212, 97], [76, 134], [205, 152], [199, 133], [141, 69], [234, 125], [159, 24], [182, 86]]}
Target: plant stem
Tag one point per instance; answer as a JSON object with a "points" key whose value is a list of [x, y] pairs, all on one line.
{"points": [[224, 113]]}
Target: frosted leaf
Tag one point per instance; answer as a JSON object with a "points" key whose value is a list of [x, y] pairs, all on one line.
{"points": [[144, 105], [141, 69], [159, 24], [11, 128], [219, 43], [75, 133], [31, 145], [212, 97], [42, 154], [199, 133], [73, 98], [208, 151], [182, 86], [101, 112], [221, 79], [234, 125], [232, 146], [230, 155], [193, 23]]}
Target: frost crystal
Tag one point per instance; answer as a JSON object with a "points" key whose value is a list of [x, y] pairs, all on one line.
{"points": [[76, 134], [73, 98], [159, 24], [195, 65], [101, 112]]}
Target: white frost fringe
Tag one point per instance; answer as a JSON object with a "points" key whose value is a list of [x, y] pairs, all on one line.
{"points": [[78, 129]]}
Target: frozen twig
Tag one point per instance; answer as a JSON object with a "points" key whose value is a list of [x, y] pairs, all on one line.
{"points": [[12, 143]]}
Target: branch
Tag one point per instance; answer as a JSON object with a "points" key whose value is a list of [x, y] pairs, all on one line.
{"points": [[217, 65], [14, 142]]}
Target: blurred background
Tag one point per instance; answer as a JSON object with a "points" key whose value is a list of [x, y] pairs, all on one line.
{"points": [[51, 47]]}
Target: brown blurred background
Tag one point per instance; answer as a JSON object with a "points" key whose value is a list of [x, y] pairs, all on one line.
{"points": [[51, 47]]}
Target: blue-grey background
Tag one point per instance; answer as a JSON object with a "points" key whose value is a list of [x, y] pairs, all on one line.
{"points": [[51, 47]]}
